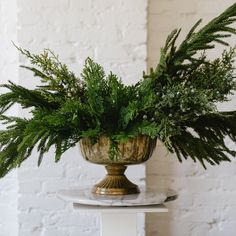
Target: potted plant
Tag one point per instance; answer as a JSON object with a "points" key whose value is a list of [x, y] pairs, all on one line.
{"points": [[117, 124]]}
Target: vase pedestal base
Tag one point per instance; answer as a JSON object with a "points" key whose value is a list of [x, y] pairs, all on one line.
{"points": [[115, 182]]}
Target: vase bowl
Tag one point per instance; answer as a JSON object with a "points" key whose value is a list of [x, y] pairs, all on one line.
{"points": [[132, 152]]}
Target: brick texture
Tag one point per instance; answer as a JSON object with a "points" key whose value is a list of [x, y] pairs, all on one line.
{"points": [[206, 203], [111, 32], [114, 34], [8, 70]]}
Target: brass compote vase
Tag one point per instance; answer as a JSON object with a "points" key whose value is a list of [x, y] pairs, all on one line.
{"points": [[135, 151]]}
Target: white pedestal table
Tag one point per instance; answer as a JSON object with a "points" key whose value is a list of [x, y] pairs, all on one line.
{"points": [[118, 213]]}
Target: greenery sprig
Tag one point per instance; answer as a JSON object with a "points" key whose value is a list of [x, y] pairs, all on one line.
{"points": [[175, 102]]}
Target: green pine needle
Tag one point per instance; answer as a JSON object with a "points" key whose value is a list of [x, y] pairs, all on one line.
{"points": [[175, 102]]}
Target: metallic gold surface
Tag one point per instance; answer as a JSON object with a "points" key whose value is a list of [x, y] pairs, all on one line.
{"points": [[135, 151], [115, 182]]}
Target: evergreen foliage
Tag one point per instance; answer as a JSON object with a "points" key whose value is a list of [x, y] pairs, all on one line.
{"points": [[175, 102]]}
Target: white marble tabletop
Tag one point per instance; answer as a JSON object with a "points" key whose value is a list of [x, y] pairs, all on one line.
{"points": [[146, 197], [114, 209]]}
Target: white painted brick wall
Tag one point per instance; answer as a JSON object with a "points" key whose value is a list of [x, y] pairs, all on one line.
{"points": [[8, 70], [206, 204], [114, 34]]}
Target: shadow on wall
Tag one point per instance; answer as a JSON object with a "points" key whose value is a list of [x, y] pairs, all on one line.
{"points": [[164, 171]]}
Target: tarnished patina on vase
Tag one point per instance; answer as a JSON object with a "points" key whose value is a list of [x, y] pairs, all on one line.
{"points": [[132, 152]]}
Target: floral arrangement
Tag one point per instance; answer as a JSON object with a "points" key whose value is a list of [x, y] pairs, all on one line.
{"points": [[174, 102]]}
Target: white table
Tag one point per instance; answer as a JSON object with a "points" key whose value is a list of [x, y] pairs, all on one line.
{"points": [[118, 214]]}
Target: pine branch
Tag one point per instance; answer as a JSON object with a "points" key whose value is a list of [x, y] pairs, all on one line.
{"points": [[174, 103], [173, 57], [26, 98], [53, 73], [93, 75], [208, 142], [186, 145]]}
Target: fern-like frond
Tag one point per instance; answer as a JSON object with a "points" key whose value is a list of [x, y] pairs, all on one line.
{"points": [[207, 142]]}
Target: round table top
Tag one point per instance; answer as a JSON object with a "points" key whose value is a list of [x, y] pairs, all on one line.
{"points": [[147, 196]]}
